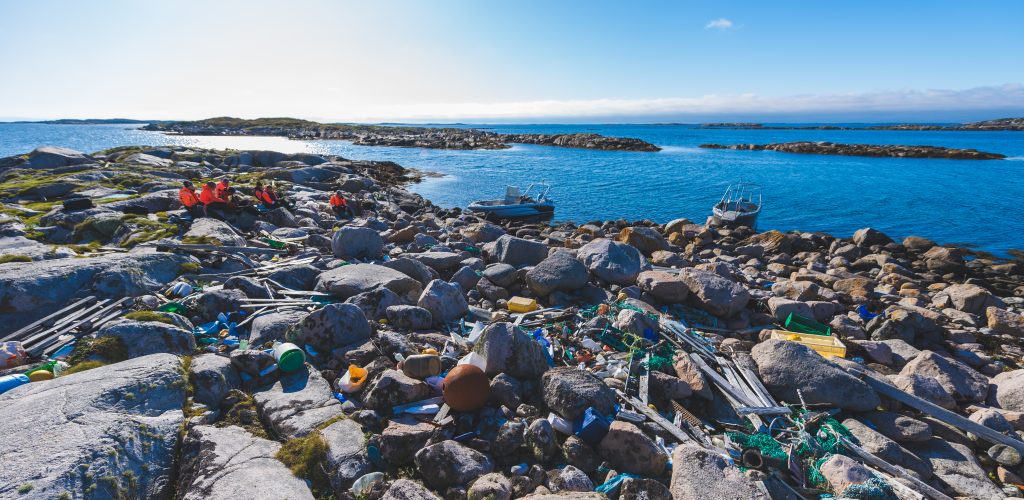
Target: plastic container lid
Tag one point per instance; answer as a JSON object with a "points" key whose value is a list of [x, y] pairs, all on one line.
{"points": [[291, 360]]}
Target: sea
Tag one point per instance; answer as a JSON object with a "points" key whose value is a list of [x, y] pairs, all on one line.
{"points": [[978, 204]]}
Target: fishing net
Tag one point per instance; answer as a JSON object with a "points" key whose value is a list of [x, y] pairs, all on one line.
{"points": [[872, 489]]}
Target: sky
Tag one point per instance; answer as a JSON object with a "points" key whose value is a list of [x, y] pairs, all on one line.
{"points": [[527, 61]]}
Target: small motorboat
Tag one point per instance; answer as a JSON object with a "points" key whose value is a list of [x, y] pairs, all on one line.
{"points": [[516, 205], [739, 206]]}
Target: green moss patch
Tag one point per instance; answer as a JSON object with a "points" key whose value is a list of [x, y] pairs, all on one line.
{"points": [[201, 240], [305, 457], [14, 258], [104, 349], [149, 316]]}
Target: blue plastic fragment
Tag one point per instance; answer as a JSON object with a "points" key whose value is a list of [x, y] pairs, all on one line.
{"points": [[865, 313]]}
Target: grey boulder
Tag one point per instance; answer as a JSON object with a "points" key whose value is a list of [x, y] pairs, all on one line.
{"points": [[444, 300], [787, 367], [570, 391], [718, 295], [352, 242], [611, 261], [346, 281], [559, 272], [449, 463], [297, 404]]}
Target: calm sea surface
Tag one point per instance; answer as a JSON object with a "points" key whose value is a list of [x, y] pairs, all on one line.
{"points": [[980, 203]]}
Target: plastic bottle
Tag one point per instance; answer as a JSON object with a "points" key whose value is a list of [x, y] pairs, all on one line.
{"points": [[289, 357], [474, 359], [421, 366], [560, 424], [8, 382], [364, 483]]}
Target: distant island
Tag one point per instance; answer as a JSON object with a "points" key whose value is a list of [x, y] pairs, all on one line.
{"points": [[400, 136], [92, 121], [1000, 124], [872, 150]]}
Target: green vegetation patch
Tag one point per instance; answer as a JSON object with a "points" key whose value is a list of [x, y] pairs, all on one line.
{"points": [[149, 316], [104, 349], [14, 258], [201, 240], [305, 457]]}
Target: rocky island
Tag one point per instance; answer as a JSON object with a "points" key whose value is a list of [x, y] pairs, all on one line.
{"points": [[872, 150], [1000, 124], [401, 136], [414, 351]]}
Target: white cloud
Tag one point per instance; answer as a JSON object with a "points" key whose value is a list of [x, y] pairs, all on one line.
{"points": [[719, 24], [1009, 96]]}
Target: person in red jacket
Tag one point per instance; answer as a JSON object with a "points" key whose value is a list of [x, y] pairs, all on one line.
{"points": [[190, 200], [266, 196], [222, 189], [339, 206], [215, 205]]}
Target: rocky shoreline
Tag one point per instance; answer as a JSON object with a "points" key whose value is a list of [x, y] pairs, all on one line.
{"points": [[1001, 124], [654, 370], [871, 150], [379, 135]]}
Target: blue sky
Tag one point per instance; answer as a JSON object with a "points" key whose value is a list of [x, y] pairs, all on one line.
{"points": [[526, 61]]}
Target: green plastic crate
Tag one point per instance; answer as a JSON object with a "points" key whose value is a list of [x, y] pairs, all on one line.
{"points": [[800, 324]]}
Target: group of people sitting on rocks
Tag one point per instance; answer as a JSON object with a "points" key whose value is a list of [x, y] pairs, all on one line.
{"points": [[217, 199]]}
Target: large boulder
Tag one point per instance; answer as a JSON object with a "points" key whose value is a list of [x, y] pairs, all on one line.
{"points": [[49, 157], [449, 463], [444, 300], [225, 463], [482, 232], [375, 303], [333, 326], [273, 326], [614, 262], [646, 239], [393, 388], [570, 391], [213, 377], [962, 382], [297, 404], [561, 271], [207, 230], [956, 466], [346, 281], [413, 269], [508, 350], [967, 298], [444, 263], [118, 421], [352, 242], [1004, 322], [787, 367], [718, 295], [701, 474], [517, 251], [142, 338], [867, 237], [402, 439], [31, 290], [627, 448], [665, 287]]}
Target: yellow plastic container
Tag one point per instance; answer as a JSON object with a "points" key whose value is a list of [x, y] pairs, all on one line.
{"points": [[522, 304], [40, 375], [826, 346]]}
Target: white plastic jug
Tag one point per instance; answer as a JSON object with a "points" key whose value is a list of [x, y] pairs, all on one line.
{"points": [[474, 359]]}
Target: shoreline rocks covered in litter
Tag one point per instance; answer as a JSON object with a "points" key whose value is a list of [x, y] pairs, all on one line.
{"points": [[414, 351]]}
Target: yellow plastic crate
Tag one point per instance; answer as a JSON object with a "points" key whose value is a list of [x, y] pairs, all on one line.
{"points": [[826, 346], [521, 304]]}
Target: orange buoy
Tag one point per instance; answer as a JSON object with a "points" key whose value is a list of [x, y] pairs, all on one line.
{"points": [[466, 388]]}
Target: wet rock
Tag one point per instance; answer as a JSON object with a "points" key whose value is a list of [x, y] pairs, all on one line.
{"points": [[841, 472], [347, 456], [570, 391], [228, 463], [959, 380], [1007, 390], [700, 474], [213, 232], [352, 242], [493, 486], [96, 420], [350, 280], [213, 377], [409, 317], [1003, 322], [665, 287], [297, 404], [142, 338], [394, 388], [517, 252], [449, 463], [718, 295], [444, 300], [628, 449], [508, 349], [559, 272], [611, 261], [333, 326], [786, 367]]}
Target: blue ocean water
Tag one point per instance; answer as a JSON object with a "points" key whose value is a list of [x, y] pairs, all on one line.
{"points": [[976, 203]]}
